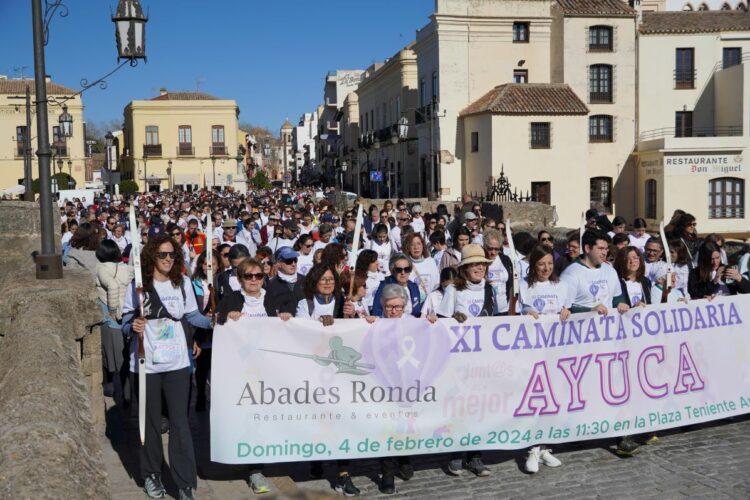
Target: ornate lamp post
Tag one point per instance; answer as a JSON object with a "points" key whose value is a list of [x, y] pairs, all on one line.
{"points": [[169, 174], [70, 174], [130, 34]]}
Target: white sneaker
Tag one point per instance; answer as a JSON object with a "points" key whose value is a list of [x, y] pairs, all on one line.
{"points": [[532, 461], [547, 459]]}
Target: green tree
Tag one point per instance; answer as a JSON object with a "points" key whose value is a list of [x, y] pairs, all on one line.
{"points": [[64, 181], [260, 180], [128, 187]]}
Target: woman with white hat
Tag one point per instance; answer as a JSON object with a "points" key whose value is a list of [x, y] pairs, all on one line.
{"points": [[470, 295]]}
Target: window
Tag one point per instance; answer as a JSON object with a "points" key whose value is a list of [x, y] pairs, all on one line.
{"points": [[217, 140], [520, 32], [600, 128], [20, 140], [600, 38], [601, 191], [732, 56], [726, 198], [651, 199], [185, 138], [540, 135], [520, 76], [684, 69], [600, 83], [683, 124], [541, 192], [152, 135], [474, 142]]}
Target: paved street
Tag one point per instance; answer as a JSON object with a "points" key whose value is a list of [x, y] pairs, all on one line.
{"points": [[709, 461]]}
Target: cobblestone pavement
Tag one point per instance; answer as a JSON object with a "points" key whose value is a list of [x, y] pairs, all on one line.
{"points": [[710, 461]]}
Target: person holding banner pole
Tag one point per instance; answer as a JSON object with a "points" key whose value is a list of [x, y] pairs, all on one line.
{"points": [[169, 303], [542, 293], [471, 295]]}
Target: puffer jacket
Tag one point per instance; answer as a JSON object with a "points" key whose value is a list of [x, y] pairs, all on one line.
{"points": [[112, 280]]}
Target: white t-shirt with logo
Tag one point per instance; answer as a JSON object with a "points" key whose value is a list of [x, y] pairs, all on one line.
{"points": [[544, 297], [635, 292], [304, 263], [164, 340], [384, 251], [591, 287], [426, 275], [253, 306], [497, 276], [319, 309]]}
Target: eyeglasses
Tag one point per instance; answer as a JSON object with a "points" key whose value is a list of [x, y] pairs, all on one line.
{"points": [[652, 250], [327, 280], [252, 276], [400, 270], [176, 233], [545, 239], [165, 255], [501, 228], [394, 308], [403, 219], [265, 263], [289, 262], [225, 255], [492, 249], [432, 222], [307, 246]]}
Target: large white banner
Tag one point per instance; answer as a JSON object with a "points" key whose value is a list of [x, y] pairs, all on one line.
{"points": [[301, 391]]}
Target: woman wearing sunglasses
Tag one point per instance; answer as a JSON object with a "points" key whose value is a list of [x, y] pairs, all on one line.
{"points": [[401, 269], [168, 344]]}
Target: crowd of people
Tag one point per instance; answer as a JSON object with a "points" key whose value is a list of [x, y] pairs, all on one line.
{"points": [[285, 254]]}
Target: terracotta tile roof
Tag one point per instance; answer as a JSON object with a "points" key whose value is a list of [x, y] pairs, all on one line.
{"points": [[528, 99], [19, 87], [184, 96], [710, 21], [596, 8]]}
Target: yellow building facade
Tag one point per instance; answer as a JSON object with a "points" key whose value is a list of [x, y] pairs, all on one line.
{"points": [[183, 141], [69, 153]]}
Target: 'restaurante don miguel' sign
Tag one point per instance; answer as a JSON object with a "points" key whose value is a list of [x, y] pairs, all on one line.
{"points": [[703, 164]]}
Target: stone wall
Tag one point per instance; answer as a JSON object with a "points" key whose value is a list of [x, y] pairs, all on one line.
{"points": [[50, 373]]}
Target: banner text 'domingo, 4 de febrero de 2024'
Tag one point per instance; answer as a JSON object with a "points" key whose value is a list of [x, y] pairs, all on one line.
{"points": [[296, 390]]}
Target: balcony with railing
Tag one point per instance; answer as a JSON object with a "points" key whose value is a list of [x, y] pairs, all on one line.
{"points": [[185, 149], [692, 138], [218, 150], [684, 78], [152, 150]]}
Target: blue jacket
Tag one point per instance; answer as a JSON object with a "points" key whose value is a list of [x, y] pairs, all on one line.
{"points": [[416, 305]]}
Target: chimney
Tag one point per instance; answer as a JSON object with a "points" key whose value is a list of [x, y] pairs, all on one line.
{"points": [[163, 91]]}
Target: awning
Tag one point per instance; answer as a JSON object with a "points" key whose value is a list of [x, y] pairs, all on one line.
{"points": [[186, 179]]}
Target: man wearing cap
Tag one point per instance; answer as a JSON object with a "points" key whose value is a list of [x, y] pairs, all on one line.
{"points": [[286, 289], [229, 233], [288, 236]]}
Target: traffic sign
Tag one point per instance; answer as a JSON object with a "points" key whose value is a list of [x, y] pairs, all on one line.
{"points": [[287, 177]]}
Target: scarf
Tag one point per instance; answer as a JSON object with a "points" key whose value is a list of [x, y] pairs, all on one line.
{"points": [[475, 287], [289, 278], [416, 261]]}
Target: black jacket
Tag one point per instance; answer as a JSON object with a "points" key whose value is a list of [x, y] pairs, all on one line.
{"points": [[281, 297], [699, 289], [645, 284], [232, 301]]}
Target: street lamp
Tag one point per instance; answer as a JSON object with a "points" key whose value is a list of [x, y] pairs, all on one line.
{"points": [[70, 174], [403, 128], [169, 174], [344, 166], [66, 123], [130, 30]]}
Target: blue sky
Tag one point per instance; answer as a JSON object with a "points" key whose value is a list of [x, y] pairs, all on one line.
{"points": [[271, 57]]}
